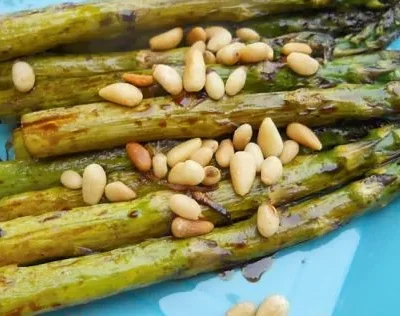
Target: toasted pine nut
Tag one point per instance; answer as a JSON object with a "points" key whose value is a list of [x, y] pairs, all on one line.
{"points": [[185, 206], [302, 64], [246, 34], [275, 305], [242, 136], [211, 143], [209, 57], [160, 167], [215, 87], [236, 81], [242, 309], [212, 30], [267, 220], [168, 78], [118, 192], [224, 153], [122, 93], [243, 172], [255, 150], [138, 80], [94, 181], [289, 152], [139, 156], [303, 135], [289, 48], [184, 228], [196, 34], [167, 40], [23, 76], [71, 179], [212, 175], [183, 151], [269, 139], [194, 75], [256, 52], [220, 39], [271, 170], [203, 155], [229, 54], [186, 173]]}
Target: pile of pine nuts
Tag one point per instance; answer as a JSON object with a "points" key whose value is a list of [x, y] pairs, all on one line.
{"points": [[209, 45], [274, 305]]}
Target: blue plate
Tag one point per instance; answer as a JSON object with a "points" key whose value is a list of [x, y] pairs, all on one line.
{"points": [[353, 271]]}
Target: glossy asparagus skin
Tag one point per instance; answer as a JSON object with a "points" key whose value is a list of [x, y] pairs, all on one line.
{"points": [[94, 228], [379, 67], [105, 125], [58, 24], [73, 281], [374, 36]]}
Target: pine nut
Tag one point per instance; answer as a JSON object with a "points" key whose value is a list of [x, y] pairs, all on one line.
{"points": [[203, 156], [71, 179], [212, 175], [236, 81], [160, 167], [255, 150], [271, 170], [215, 87], [186, 173], [196, 34], [212, 30], [194, 75], [122, 93], [224, 153], [183, 228], [242, 136], [167, 40], [229, 54], [275, 305], [246, 34], [183, 151], [267, 220], [199, 45], [139, 156], [138, 80], [302, 64], [303, 135], [289, 152], [118, 192], [289, 48], [185, 206], [94, 181], [168, 78], [23, 76], [256, 52], [211, 143], [209, 57], [243, 172], [242, 309], [219, 39], [269, 139]]}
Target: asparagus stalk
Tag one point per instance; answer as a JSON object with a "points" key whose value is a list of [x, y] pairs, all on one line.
{"points": [[59, 25], [380, 67], [93, 228], [73, 281], [105, 125], [373, 36]]}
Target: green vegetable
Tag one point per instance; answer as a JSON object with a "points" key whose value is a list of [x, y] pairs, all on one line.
{"points": [[106, 125], [373, 36], [72, 281]]}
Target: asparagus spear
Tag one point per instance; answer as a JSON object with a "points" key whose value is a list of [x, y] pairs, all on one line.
{"points": [[105, 125], [380, 67], [374, 36], [72, 281], [18, 146]]}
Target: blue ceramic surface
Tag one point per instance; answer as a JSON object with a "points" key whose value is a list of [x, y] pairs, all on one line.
{"points": [[353, 271]]}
